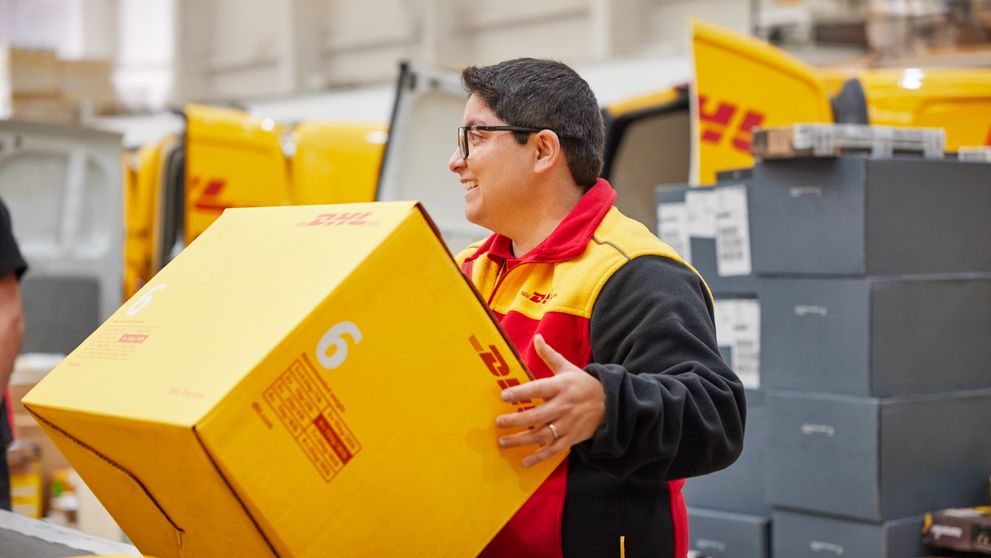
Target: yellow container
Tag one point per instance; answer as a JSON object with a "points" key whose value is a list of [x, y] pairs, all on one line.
{"points": [[24, 460], [300, 381]]}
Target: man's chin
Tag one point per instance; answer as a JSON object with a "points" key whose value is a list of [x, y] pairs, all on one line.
{"points": [[472, 216]]}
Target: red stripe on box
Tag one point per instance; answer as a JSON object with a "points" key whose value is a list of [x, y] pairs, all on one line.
{"points": [[343, 453]]}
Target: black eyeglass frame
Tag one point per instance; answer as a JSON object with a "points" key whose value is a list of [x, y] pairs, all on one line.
{"points": [[463, 134]]}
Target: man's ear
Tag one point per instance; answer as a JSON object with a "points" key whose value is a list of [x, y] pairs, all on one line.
{"points": [[548, 154]]}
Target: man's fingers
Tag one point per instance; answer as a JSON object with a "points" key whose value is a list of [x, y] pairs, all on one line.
{"points": [[545, 452], [530, 418], [560, 394], [544, 388], [548, 354], [537, 436]]}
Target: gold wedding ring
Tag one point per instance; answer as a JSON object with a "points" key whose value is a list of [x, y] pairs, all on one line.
{"points": [[553, 429]]}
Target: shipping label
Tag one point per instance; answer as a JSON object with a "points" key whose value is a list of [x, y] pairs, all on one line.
{"points": [[306, 407], [738, 327], [116, 340], [702, 205], [732, 232], [672, 228]]}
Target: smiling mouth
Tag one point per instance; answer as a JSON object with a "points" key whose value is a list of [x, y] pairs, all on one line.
{"points": [[470, 185]]}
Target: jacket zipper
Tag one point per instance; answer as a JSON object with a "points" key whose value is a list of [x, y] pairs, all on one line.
{"points": [[503, 272]]}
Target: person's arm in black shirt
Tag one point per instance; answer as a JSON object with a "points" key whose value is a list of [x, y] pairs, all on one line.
{"points": [[672, 404]]}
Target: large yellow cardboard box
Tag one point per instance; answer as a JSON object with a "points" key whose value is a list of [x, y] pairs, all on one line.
{"points": [[300, 381]]}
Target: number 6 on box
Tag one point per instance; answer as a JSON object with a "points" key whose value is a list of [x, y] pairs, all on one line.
{"points": [[334, 336], [144, 300]]}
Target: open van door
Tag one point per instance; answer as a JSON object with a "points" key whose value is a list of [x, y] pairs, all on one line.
{"points": [[153, 211], [648, 142], [428, 109], [331, 162], [63, 188], [232, 159], [740, 84]]}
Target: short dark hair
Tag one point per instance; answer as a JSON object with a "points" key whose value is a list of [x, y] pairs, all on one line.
{"points": [[545, 94]]}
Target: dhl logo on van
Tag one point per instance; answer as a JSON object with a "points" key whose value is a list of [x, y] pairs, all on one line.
{"points": [[499, 368], [209, 198], [716, 116], [348, 218]]}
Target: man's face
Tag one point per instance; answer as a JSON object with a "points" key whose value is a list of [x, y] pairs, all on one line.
{"points": [[497, 173]]}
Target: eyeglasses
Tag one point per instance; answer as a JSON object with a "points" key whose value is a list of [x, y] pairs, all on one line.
{"points": [[463, 134]]}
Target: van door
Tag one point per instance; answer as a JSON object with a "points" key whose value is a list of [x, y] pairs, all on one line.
{"points": [[334, 162], [63, 186], [648, 142], [428, 109], [740, 84], [230, 159]]}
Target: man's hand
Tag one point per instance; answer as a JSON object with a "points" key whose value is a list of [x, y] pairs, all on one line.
{"points": [[574, 407]]}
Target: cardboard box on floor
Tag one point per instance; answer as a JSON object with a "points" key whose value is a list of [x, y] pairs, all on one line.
{"points": [[300, 381], [29, 369]]}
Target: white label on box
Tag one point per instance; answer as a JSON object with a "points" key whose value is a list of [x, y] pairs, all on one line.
{"points": [[725, 313], [732, 232], [738, 327], [672, 228], [701, 212], [746, 346]]}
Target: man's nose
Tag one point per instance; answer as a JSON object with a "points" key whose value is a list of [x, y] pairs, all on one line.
{"points": [[456, 162]]}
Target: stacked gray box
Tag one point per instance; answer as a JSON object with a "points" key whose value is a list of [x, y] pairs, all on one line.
{"points": [[731, 535], [874, 281], [709, 228], [809, 536], [874, 459], [857, 216], [899, 336], [740, 487], [728, 513]]}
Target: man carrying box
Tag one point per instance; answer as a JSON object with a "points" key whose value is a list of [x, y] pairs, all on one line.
{"points": [[12, 266], [615, 326]]}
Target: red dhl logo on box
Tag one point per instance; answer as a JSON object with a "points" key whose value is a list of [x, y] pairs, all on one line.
{"points": [[499, 368]]}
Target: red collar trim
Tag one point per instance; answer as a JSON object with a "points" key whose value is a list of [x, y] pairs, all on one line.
{"points": [[568, 240]]}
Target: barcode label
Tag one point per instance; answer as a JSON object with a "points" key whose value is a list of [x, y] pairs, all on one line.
{"points": [[738, 327], [732, 231], [701, 205], [672, 228]]}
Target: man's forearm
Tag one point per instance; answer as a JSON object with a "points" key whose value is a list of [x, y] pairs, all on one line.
{"points": [[11, 327]]}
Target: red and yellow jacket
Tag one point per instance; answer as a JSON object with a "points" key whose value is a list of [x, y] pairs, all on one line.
{"points": [[616, 301]]}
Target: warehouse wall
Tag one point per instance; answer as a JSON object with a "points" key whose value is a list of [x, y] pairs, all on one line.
{"points": [[145, 58], [258, 48], [73, 28], [179, 50]]}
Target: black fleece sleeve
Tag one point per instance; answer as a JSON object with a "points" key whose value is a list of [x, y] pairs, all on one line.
{"points": [[672, 405], [10, 257]]}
